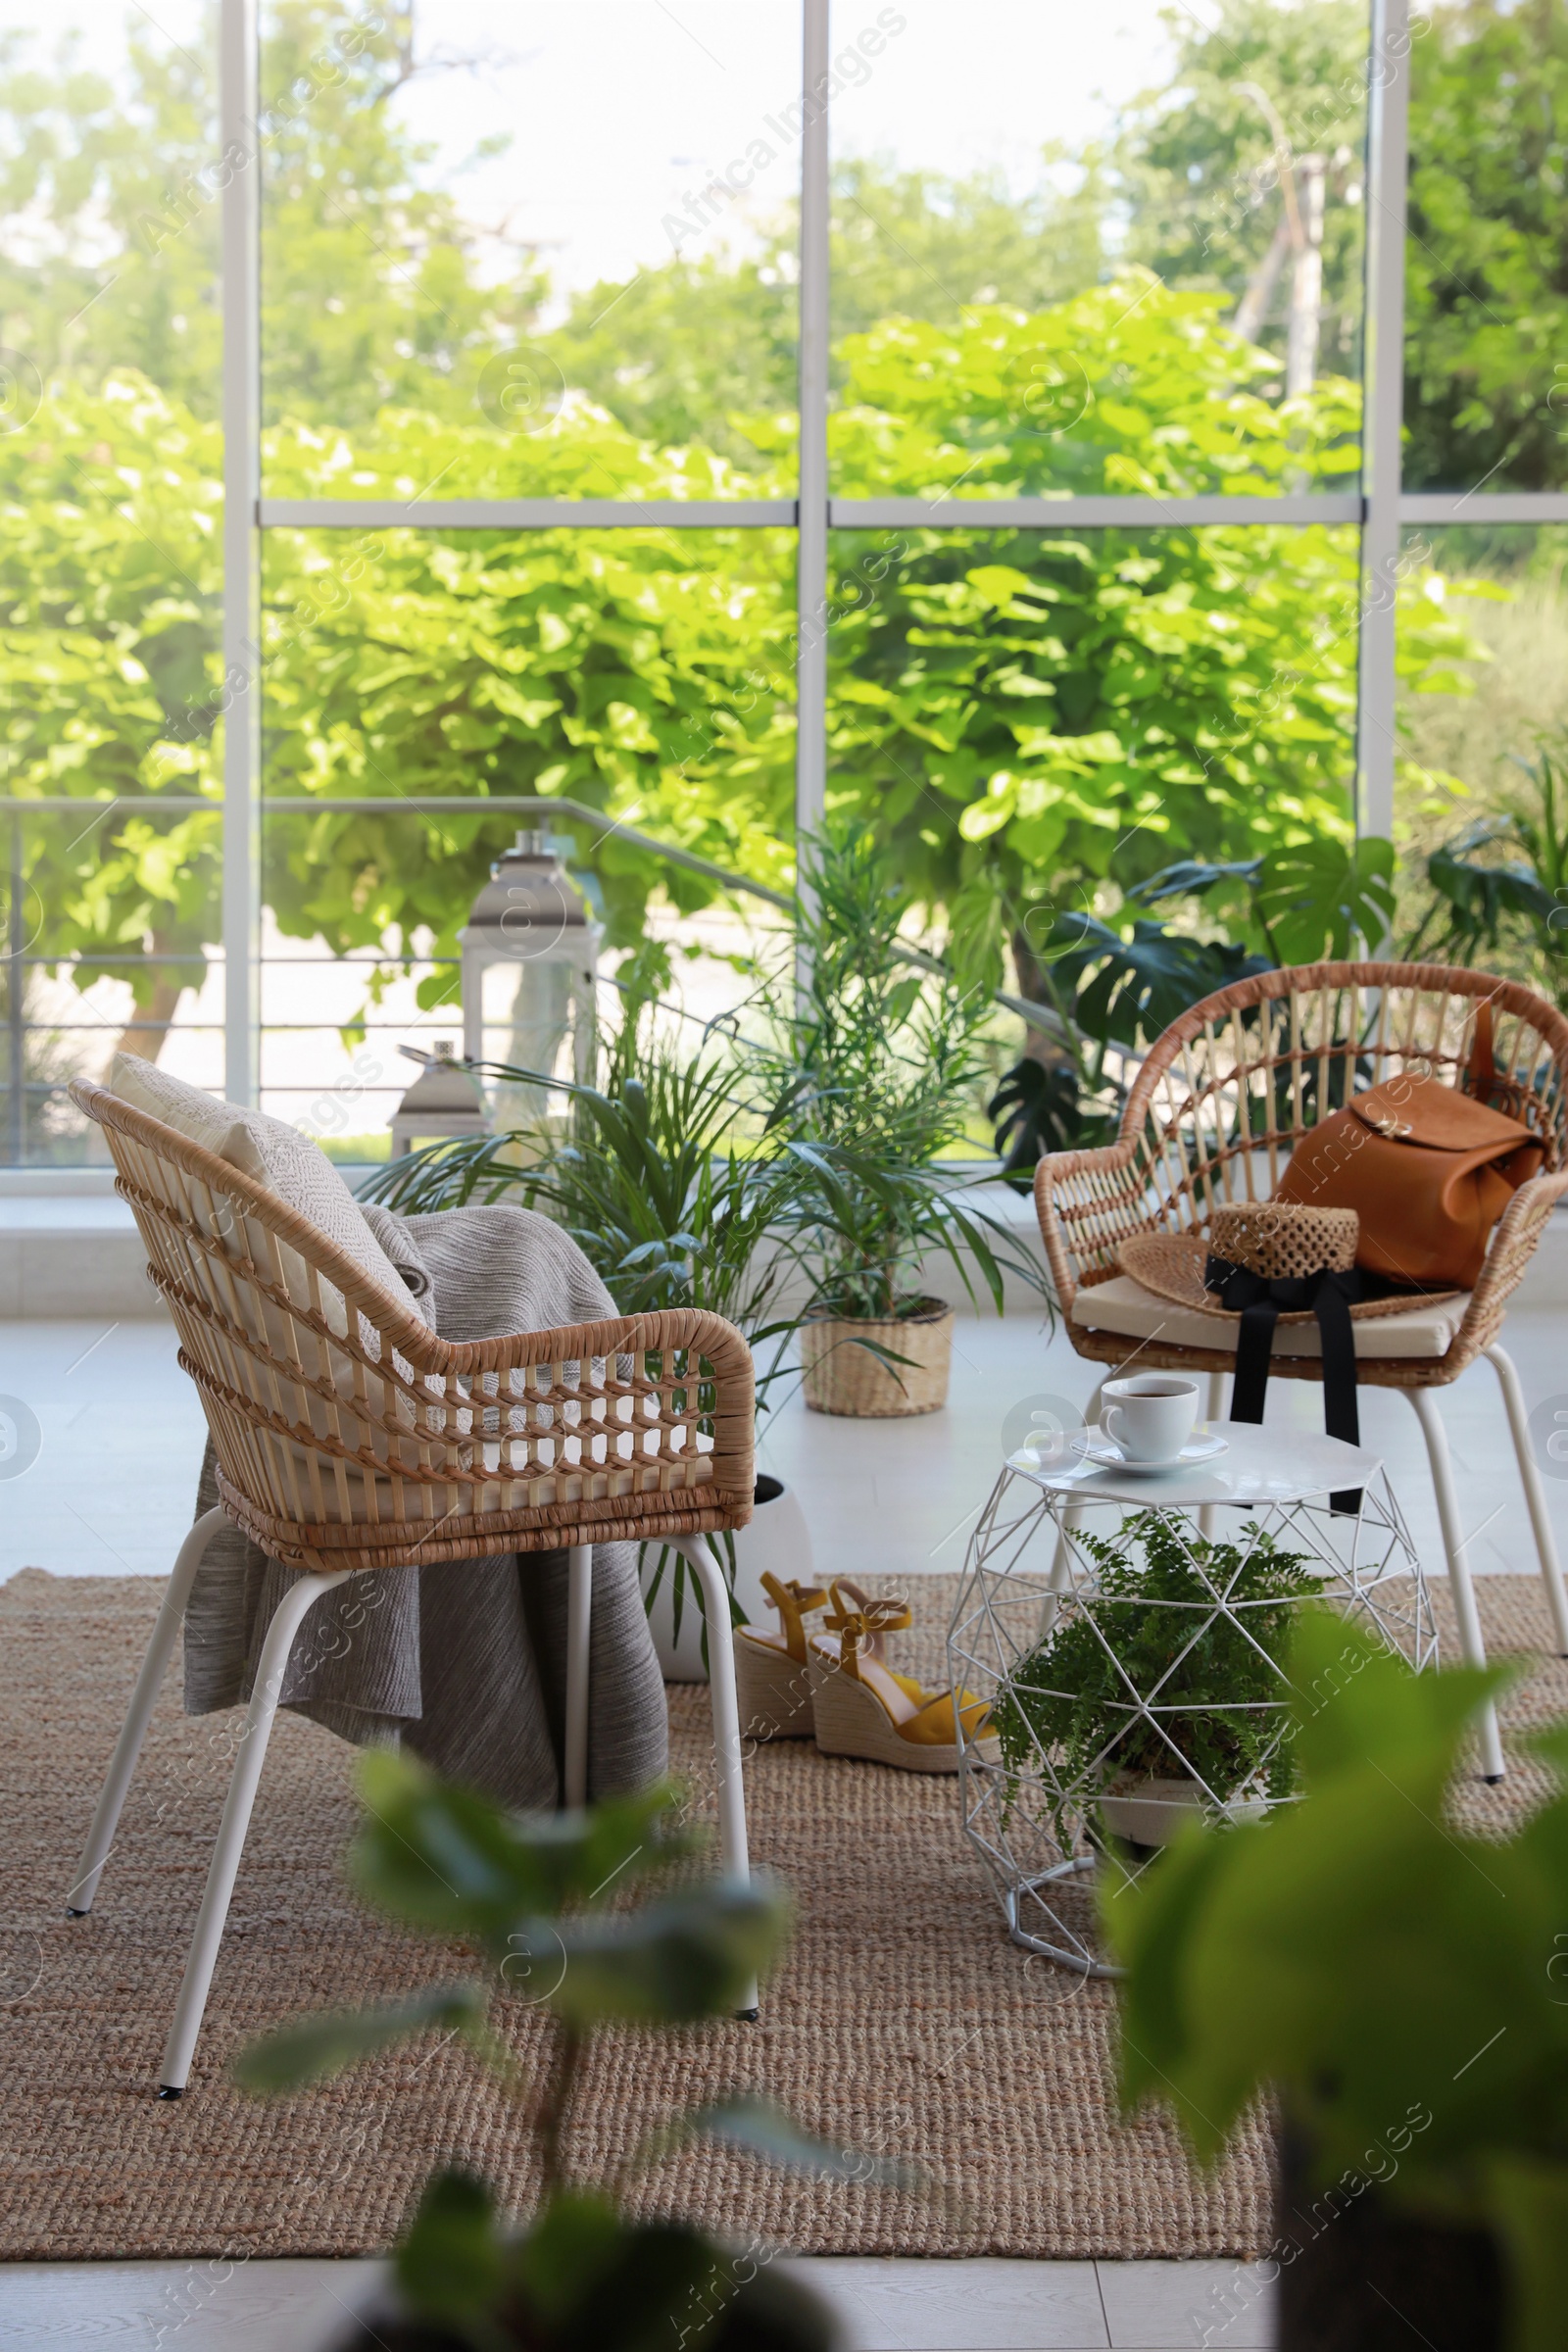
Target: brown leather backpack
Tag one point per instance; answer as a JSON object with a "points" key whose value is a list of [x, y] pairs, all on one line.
{"points": [[1427, 1168]]}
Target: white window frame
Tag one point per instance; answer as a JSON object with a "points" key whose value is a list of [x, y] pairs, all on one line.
{"points": [[1378, 508]]}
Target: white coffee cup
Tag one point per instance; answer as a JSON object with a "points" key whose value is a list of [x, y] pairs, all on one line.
{"points": [[1150, 1415]]}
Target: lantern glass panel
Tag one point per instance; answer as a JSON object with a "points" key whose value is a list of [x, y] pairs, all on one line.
{"points": [[533, 1012]]}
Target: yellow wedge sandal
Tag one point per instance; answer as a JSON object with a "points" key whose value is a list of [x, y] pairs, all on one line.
{"points": [[861, 1709], [772, 1678]]}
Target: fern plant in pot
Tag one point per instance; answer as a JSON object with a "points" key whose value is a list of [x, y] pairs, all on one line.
{"points": [[1159, 1690]]}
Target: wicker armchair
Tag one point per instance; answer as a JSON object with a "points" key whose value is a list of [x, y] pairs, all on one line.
{"points": [[349, 1437], [1213, 1116]]}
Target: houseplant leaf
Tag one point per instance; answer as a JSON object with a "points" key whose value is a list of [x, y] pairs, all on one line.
{"points": [[753, 2124], [1320, 898], [1193, 878], [451, 2268], [307, 2049], [1527, 2207], [570, 2249], [1133, 989], [1246, 1949], [443, 1858], [691, 1956], [585, 2281], [1236, 1943]]}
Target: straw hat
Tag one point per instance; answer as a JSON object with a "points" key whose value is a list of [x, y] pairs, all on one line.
{"points": [[1282, 1240]]}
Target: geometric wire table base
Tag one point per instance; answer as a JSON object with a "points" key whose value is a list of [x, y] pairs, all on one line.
{"points": [[1050, 1827]]}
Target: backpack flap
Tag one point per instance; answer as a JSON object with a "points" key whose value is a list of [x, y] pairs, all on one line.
{"points": [[1428, 1169]]}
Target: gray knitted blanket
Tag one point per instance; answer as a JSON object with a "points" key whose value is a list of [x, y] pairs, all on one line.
{"points": [[465, 1663]]}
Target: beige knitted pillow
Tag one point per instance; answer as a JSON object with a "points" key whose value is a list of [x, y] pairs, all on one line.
{"points": [[274, 1155]]}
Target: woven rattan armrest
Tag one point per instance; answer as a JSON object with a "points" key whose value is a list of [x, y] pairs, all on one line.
{"points": [[1513, 1243], [1097, 1195], [280, 1360]]}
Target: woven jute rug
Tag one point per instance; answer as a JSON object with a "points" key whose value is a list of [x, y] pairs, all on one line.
{"points": [[903, 2024]]}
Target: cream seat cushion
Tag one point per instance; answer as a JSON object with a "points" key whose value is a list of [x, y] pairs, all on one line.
{"points": [[1123, 1306], [275, 1155]]}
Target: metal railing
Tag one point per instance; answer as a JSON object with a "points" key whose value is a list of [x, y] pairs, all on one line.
{"points": [[20, 957]]}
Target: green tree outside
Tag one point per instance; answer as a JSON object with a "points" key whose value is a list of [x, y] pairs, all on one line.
{"points": [[1015, 710]]}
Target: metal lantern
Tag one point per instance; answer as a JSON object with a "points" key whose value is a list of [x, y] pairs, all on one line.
{"points": [[530, 953], [444, 1100]]}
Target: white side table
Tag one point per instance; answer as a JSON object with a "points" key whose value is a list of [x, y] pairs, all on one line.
{"points": [[1095, 1789]]}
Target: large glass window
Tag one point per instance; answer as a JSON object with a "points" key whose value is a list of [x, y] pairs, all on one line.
{"points": [[646, 672], [511, 250], [1044, 286], [1038, 716], [1487, 303], [1497, 594], [620, 386], [1482, 805], [111, 576]]}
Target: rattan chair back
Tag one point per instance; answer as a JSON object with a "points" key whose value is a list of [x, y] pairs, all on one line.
{"points": [[348, 1435], [1228, 1091]]}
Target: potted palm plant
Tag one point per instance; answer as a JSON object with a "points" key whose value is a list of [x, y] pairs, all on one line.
{"points": [[878, 1074], [1402, 1988]]}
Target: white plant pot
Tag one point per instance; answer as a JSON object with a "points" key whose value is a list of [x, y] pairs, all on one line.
{"points": [[1149, 1809], [776, 1541]]}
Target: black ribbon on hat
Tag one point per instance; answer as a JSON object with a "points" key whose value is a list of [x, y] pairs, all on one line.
{"points": [[1260, 1302]]}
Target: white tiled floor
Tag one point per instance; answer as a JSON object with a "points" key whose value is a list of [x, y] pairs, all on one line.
{"points": [[883, 2306], [121, 1434], [111, 1492]]}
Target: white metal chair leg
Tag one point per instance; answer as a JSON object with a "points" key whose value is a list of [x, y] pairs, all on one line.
{"points": [[225, 1866], [83, 1887], [1513, 1399], [579, 1626], [732, 1845], [1460, 1587]]}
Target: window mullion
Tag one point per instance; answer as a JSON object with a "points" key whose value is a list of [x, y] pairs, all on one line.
{"points": [[811, 659], [1388, 145], [240, 152]]}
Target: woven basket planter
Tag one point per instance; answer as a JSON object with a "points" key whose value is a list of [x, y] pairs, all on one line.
{"points": [[841, 1377]]}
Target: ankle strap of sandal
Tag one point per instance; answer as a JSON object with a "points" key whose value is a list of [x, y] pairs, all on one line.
{"points": [[855, 1625], [793, 1601]]}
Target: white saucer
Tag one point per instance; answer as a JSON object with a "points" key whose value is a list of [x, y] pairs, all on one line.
{"points": [[1092, 1446]]}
